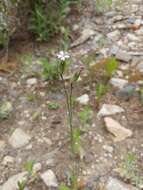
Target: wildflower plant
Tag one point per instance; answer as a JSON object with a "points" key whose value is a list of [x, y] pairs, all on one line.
{"points": [[101, 90], [22, 185], [63, 58], [129, 171], [85, 116]]}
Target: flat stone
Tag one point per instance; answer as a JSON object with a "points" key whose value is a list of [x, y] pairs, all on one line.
{"points": [[109, 109], [120, 133], [84, 99], [85, 35], [19, 138], [118, 82], [123, 56], [11, 183], [49, 178], [115, 184], [126, 92], [114, 36]]}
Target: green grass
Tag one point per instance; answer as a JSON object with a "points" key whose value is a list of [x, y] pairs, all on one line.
{"points": [[53, 106], [101, 90], [85, 116], [129, 171]]}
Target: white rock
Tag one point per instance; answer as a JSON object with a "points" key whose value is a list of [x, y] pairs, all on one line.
{"points": [[118, 83], [49, 178], [84, 99], [125, 67], [138, 22], [120, 133], [11, 183], [29, 147], [8, 160], [50, 162], [115, 184], [19, 138], [37, 167], [108, 148], [31, 81], [109, 109], [114, 36]]}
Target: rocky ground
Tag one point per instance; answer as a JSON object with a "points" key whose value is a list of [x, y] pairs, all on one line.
{"points": [[32, 131]]}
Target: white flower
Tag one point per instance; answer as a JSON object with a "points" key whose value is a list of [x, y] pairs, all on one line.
{"points": [[63, 55]]}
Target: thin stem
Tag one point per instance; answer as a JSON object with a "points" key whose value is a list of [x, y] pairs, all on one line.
{"points": [[71, 112], [69, 107]]}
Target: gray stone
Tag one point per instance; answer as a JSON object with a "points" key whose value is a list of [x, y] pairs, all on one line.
{"points": [[98, 41], [115, 184], [49, 178], [11, 183], [85, 35], [114, 36], [114, 50], [109, 109], [118, 83], [123, 56], [126, 92], [19, 138]]}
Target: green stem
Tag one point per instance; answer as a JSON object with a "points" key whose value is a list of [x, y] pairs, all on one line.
{"points": [[71, 113], [69, 107]]}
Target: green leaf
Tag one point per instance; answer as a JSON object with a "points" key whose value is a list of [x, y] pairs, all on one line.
{"points": [[62, 67], [50, 70], [111, 66], [100, 90], [63, 187], [74, 181], [76, 76], [29, 166], [85, 115], [21, 184], [76, 144], [53, 106]]}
